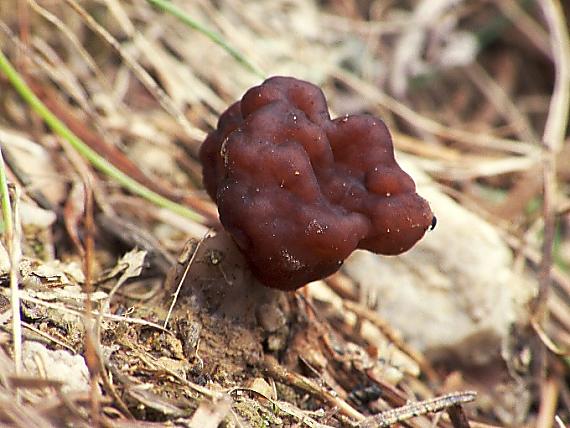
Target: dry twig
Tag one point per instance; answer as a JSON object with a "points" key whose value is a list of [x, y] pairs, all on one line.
{"points": [[434, 405], [281, 374]]}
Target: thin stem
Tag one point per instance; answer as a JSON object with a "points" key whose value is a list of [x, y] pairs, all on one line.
{"points": [[553, 140], [10, 219]]}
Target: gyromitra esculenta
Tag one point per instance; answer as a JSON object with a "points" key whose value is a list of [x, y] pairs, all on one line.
{"points": [[298, 192]]}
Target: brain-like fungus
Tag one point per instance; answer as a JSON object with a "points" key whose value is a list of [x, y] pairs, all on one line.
{"points": [[298, 192]]}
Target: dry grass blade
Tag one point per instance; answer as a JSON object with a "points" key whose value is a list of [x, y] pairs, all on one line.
{"points": [[145, 78], [12, 238], [557, 122], [118, 318], [415, 119], [73, 39], [183, 278], [20, 416], [502, 102], [49, 337], [529, 27], [547, 341], [550, 394], [282, 375], [553, 139]]}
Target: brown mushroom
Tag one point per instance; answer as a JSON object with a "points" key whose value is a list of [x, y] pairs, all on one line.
{"points": [[298, 192]]}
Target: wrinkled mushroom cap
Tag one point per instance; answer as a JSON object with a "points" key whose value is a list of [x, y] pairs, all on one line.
{"points": [[299, 192]]}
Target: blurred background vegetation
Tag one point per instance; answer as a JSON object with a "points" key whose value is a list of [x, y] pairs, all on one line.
{"points": [[114, 98]]}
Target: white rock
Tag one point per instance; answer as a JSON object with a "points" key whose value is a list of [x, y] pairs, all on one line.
{"points": [[32, 215], [69, 369], [455, 293]]}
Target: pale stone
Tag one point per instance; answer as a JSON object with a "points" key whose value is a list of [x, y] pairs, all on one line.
{"points": [[61, 365], [456, 293]]}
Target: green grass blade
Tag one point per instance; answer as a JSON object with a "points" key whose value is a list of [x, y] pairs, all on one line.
{"points": [[174, 10], [97, 161], [6, 225]]}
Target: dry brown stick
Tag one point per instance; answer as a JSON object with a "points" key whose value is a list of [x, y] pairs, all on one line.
{"points": [[549, 218], [546, 340], [483, 425], [458, 417], [112, 391], [390, 394], [86, 252], [550, 390], [281, 374], [91, 354], [433, 405]]}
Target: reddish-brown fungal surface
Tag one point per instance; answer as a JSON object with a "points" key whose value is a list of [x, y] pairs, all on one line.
{"points": [[299, 192]]}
